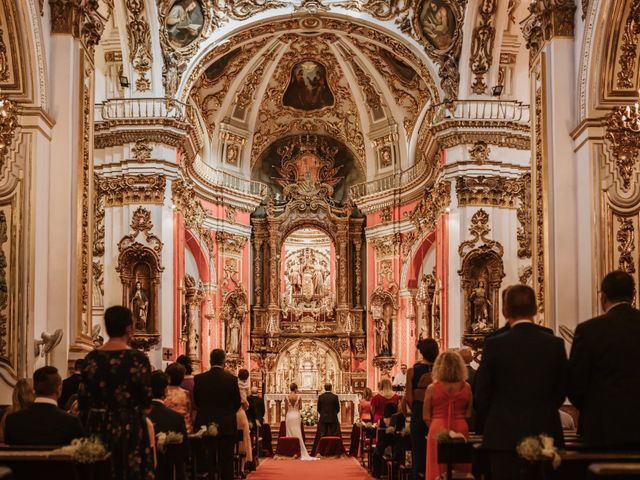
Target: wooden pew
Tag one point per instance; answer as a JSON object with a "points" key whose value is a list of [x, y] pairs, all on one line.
{"points": [[31, 463], [617, 471]]}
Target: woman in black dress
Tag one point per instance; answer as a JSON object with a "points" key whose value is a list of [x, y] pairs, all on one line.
{"points": [[114, 393]]}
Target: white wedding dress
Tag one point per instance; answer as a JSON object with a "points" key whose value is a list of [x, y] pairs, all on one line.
{"points": [[294, 427]]}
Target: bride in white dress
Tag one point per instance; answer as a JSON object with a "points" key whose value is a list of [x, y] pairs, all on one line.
{"points": [[293, 421]]}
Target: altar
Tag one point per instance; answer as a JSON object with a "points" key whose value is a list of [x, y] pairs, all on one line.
{"points": [[276, 410]]}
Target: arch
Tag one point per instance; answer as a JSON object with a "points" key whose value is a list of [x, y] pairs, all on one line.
{"points": [[411, 267], [202, 259]]}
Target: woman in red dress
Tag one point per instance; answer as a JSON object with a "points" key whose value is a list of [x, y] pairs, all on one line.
{"points": [[447, 405], [385, 396], [364, 407]]}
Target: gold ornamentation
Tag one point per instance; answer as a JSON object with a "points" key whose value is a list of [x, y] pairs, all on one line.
{"points": [[79, 18], [623, 134], [547, 19], [408, 239], [98, 233], [434, 203], [86, 178], [231, 213], [525, 233], [386, 246], [371, 95], [141, 151], [385, 215], [491, 191], [482, 45], [627, 59], [8, 124], [4, 61], [626, 245], [131, 189], [538, 179], [479, 229], [525, 274], [4, 288], [139, 43], [186, 202], [230, 244], [480, 152], [585, 8]]}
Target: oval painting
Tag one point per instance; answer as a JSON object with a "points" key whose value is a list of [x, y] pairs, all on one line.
{"points": [[308, 88], [184, 22], [437, 23]]}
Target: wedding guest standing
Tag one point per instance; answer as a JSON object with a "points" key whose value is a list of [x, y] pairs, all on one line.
{"points": [[217, 398], [603, 369], [42, 422], [23, 397], [364, 406], [447, 406], [177, 398], [70, 384], [167, 420], [113, 396], [418, 379], [242, 419], [256, 410], [385, 395], [520, 384], [187, 381]]}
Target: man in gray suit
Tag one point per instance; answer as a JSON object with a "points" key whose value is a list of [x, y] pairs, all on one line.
{"points": [[328, 408]]}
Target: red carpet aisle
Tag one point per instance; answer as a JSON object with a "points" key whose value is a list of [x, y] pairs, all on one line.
{"points": [[343, 469]]}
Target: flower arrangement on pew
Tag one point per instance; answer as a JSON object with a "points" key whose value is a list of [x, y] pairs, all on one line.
{"points": [[169, 438], [310, 416], [210, 430], [87, 450], [539, 448]]}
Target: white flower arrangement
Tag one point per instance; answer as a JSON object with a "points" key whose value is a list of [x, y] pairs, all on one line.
{"points": [[210, 430], [309, 416], [164, 439], [87, 450], [539, 448]]}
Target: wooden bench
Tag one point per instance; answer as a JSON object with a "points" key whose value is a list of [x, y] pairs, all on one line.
{"points": [[32, 463], [617, 471]]}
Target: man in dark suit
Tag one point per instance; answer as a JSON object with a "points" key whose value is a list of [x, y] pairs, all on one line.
{"points": [[217, 398], [43, 423], [328, 408], [166, 420], [604, 383], [520, 384], [256, 410], [71, 384]]}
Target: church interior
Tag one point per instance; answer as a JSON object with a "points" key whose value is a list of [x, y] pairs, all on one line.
{"points": [[311, 185]]}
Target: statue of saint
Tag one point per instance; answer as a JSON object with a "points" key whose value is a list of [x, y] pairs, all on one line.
{"points": [[233, 346], [382, 336], [481, 305], [140, 307]]}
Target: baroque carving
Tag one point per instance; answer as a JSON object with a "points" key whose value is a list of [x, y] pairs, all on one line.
{"points": [[8, 125], [4, 288], [524, 234], [141, 151], [480, 152], [629, 47], [623, 135], [547, 19], [626, 245], [386, 246], [490, 191], [482, 45], [229, 243], [435, 201], [186, 202], [131, 189], [79, 18], [139, 43]]}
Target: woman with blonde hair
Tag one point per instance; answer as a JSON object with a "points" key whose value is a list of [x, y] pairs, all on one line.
{"points": [[23, 397], [364, 407], [385, 395], [447, 405]]}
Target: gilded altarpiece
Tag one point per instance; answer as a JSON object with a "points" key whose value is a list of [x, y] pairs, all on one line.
{"points": [[308, 176]]}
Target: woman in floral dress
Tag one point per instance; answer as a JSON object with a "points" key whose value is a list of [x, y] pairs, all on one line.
{"points": [[114, 395]]}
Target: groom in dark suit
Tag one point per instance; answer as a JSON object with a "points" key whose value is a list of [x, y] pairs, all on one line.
{"points": [[328, 408], [520, 384], [604, 383], [217, 397]]}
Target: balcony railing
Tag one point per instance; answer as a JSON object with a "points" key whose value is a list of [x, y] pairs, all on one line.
{"points": [[143, 108], [226, 180], [389, 182], [495, 110]]}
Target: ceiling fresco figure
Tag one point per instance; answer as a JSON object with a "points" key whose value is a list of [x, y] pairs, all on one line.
{"points": [[308, 89]]}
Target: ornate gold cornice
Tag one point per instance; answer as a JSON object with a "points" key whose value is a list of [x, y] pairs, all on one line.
{"points": [[187, 203], [547, 19], [78, 18], [129, 189], [501, 139], [386, 246], [488, 191], [107, 135]]}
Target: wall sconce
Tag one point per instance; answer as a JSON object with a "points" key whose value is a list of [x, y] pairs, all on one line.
{"points": [[496, 90], [124, 81]]}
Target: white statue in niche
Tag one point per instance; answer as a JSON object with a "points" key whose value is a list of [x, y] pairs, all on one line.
{"points": [[140, 307]]}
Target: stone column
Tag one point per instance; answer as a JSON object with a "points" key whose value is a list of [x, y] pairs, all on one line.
{"points": [[194, 295]]}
